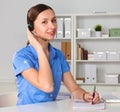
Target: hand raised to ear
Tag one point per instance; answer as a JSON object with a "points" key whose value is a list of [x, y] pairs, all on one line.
{"points": [[33, 41]]}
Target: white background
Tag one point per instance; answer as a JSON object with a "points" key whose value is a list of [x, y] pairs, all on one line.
{"points": [[13, 24]]}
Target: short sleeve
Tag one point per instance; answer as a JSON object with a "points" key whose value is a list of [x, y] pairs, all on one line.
{"points": [[65, 66], [21, 62]]}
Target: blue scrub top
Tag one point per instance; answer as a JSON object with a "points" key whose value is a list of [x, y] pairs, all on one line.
{"points": [[26, 58]]}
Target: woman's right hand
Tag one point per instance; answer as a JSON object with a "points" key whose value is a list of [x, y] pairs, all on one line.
{"points": [[33, 41], [88, 97]]}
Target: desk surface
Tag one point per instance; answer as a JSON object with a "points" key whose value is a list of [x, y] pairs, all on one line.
{"points": [[57, 106]]}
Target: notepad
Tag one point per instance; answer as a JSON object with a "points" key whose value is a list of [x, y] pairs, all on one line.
{"points": [[79, 104], [111, 97]]}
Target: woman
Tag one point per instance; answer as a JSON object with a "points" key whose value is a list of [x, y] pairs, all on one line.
{"points": [[39, 67]]}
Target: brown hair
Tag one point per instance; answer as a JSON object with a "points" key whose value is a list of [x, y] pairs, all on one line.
{"points": [[32, 14]]}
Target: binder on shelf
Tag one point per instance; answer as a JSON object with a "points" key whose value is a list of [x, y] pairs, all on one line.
{"points": [[82, 54], [79, 52], [90, 73], [66, 49], [67, 23], [85, 54], [60, 28], [63, 47]]}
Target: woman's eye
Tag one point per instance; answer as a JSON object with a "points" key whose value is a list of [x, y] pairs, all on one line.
{"points": [[54, 20], [44, 22]]}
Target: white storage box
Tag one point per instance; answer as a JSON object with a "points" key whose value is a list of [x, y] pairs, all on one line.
{"points": [[90, 73], [100, 55], [113, 55], [112, 78], [83, 32], [91, 57]]}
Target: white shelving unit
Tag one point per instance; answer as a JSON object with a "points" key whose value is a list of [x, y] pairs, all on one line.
{"points": [[89, 20], [93, 43]]}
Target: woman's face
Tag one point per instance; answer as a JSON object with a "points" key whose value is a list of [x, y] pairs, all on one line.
{"points": [[45, 25]]}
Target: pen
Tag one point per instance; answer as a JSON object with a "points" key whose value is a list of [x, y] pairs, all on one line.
{"points": [[93, 94]]}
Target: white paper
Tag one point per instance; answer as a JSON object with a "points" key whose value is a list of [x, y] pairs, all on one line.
{"points": [[78, 104]]}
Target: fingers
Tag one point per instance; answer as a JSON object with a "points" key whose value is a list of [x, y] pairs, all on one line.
{"points": [[96, 99], [33, 41], [88, 97], [29, 34]]}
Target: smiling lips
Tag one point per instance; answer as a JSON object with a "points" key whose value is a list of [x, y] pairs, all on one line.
{"points": [[52, 33]]}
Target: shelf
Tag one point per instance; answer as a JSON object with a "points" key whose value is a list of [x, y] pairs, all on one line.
{"points": [[91, 44], [64, 38], [99, 84], [68, 61], [97, 44], [97, 14], [97, 38], [93, 61]]}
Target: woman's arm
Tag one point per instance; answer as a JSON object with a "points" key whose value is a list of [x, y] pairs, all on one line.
{"points": [[76, 91], [42, 78]]}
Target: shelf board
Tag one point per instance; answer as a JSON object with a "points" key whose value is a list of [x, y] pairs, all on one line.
{"points": [[99, 84], [100, 61], [62, 38], [97, 38], [97, 14], [68, 61]]}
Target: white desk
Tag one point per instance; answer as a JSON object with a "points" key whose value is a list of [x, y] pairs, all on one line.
{"points": [[57, 106]]}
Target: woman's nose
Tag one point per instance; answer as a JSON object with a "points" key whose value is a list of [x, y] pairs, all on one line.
{"points": [[52, 25]]}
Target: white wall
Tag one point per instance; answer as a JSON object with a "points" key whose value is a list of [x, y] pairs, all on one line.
{"points": [[13, 24]]}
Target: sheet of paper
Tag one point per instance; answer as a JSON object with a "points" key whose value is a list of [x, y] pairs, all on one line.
{"points": [[78, 104], [111, 97]]}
